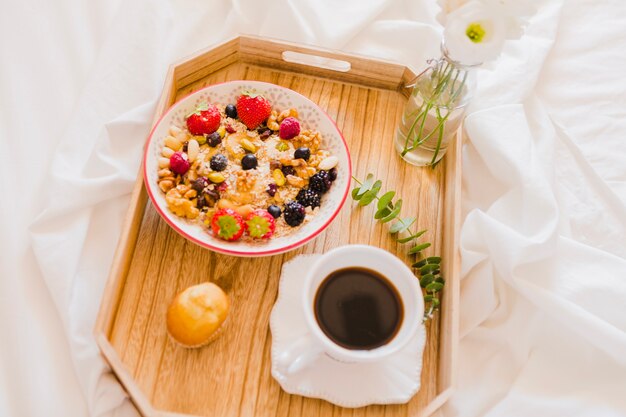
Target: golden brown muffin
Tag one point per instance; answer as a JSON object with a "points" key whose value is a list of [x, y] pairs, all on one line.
{"points": [[196, 314]]}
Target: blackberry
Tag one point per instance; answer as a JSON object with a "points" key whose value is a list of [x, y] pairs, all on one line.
{"points": [[231, 111], [213, 139], [293, 213], [274, 211], [320, 182], [288, 170], [303, 152], [219, 162], [308, 198]]}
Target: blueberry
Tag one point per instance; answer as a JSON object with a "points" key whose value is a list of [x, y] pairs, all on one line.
{"points": [[249, 162], [274, 211], [214, 139], [219, 162], [287, 170], [332, 174], [271, 189], [231, 111], [302, 153], [200, 184]]}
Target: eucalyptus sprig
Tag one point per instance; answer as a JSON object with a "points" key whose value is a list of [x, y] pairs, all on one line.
{"points": [[426, 269]]}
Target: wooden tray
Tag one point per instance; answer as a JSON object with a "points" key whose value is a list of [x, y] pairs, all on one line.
{"points": [[231, 377]]}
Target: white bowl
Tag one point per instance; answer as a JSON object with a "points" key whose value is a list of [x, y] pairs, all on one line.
{"points": [[310, 116]]}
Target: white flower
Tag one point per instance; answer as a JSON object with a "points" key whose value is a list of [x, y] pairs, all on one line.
{"points": [[515, 13], [474, 33]]}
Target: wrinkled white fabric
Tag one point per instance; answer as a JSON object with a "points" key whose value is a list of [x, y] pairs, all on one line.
{"points": [[544, 181]]}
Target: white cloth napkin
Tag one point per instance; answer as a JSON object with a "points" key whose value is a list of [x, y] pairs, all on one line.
{"points": [[544, 237]]}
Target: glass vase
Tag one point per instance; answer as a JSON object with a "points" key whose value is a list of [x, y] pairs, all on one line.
{"points": [[434, 110]]}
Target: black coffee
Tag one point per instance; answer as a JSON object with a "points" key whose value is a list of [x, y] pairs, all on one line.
{"points": [[358, 308]]}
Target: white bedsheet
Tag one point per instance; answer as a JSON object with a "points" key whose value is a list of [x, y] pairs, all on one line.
{"points": [[543, 242]]}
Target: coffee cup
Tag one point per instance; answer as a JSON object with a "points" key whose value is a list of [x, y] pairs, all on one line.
{"points": [[360, 304]]}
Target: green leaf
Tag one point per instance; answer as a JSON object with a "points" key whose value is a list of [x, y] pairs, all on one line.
{"points": [[419, 264], [426, 279], [440, 280], [368, 197], [428, 268], [355, 193], [394, 213], [428, 298], [418, 248], [385, 199], [436, 302], [384, 212], [434, 260], [434, 287], [367, 184], [412, 237], [402, 224]]}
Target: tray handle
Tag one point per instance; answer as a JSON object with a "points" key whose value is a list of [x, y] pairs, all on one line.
{"points": [[312, 60]]}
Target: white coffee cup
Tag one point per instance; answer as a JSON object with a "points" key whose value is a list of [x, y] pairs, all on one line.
{"points": [[305, 350]]}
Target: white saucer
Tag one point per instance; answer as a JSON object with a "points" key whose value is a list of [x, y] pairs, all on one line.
{"points": [[394, 380]]}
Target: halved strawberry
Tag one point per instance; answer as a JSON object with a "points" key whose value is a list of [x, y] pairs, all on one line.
{"points": [[260, 224], [204, 120], [253, 109], [227, 224]]}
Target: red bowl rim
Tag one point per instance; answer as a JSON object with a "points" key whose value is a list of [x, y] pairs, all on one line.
{"points": [[237, 252]]}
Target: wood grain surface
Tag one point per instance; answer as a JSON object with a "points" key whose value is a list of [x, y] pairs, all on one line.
{"points": [[231, 376]]}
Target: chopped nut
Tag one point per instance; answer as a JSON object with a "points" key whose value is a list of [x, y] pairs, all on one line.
{"points": [[173, 143], [307, 138], [167, 152], [193, 148], [295, 181], [225, 204], [293, 162], [164, 173], [328, 163], [179, 205], [164, 162], [244, 210], [287, 113], [166, 185], [191, 194], [271, 121], [174, 130], [245, 180]]}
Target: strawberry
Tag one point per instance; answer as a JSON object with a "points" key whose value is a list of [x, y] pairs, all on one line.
{"points": [[260, 224], [204, 120], [253, 109], [227, 224]]}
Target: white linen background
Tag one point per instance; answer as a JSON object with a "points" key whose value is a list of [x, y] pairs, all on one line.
{"points": [[544, 236]]}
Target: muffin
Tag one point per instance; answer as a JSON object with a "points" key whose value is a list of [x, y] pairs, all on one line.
{"points": [[196, 314]]}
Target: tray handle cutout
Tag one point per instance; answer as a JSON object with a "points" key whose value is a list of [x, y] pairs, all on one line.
{"points": [[316, 61]]}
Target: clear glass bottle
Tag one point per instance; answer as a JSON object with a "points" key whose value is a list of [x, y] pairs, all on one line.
{"points": [[434, 110]]}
